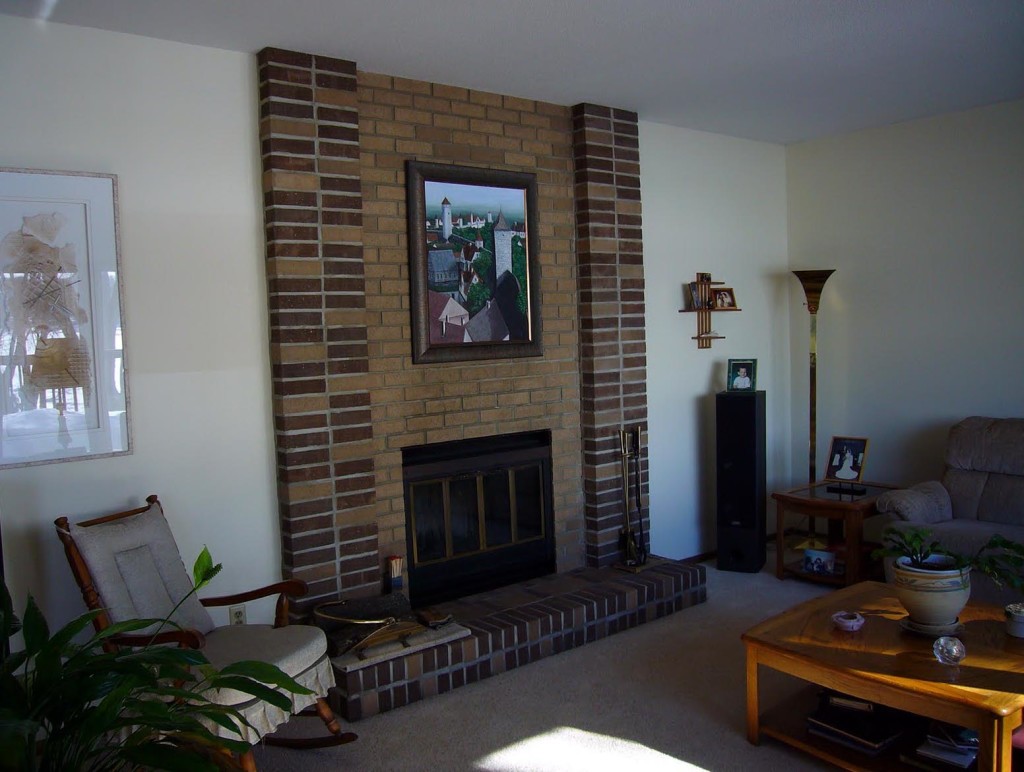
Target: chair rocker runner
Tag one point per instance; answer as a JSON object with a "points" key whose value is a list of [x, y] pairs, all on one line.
{"points": [[128, 566]]}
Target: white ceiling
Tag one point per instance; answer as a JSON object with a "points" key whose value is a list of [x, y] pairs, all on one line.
{"points": [[771, 70]]}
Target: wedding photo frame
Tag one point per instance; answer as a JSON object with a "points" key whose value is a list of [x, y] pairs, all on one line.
{"points": [[724, 298], [473, 263], [63, 385], [846, 457]]}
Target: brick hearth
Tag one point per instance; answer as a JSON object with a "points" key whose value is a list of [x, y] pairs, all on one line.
{"points": [[523, 623]]}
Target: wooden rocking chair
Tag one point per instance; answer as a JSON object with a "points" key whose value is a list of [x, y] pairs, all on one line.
{"points": [[128, 566]]}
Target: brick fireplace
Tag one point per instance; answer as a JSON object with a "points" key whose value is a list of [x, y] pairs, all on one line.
{"points": [[347, 399]]}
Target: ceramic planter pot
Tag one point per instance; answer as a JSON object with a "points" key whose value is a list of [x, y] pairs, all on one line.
{"points": [[933, 596], [1015, 619]]}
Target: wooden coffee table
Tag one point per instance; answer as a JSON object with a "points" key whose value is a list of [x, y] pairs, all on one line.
{"points": [[885, 664]]}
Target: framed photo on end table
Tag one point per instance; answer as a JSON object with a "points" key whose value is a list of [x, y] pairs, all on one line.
{"points": [[846, 456]]}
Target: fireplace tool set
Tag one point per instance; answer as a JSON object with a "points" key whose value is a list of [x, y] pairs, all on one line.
{"points": [[631, 541]]}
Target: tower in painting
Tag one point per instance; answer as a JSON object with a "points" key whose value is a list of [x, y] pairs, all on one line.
{"points": [[502, 246], [446, 216]]}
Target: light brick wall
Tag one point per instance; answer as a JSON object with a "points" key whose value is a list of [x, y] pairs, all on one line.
{"points": [[346, 395], [402, 119]]}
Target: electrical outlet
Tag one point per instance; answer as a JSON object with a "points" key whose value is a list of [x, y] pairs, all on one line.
{"points": [[236, 614]]}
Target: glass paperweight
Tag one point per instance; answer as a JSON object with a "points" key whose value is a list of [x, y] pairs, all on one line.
{"points": [[949, 650]]}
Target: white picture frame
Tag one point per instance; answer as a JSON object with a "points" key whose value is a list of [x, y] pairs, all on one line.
{"points": [[63, 376]]}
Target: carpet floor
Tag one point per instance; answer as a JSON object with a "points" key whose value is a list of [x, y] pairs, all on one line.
{"points": [[667, 695]]}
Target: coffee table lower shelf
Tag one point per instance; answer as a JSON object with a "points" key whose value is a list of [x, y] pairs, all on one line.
{"points": [[786, 722]]}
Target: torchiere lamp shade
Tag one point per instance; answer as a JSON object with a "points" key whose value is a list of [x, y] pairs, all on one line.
{"points": [[813, 282]]}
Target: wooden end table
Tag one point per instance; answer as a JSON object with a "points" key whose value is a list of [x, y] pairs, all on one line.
{"points": [[844, 512], [885, 664]]}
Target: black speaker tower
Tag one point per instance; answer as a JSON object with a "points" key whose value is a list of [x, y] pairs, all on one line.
{"points": [[740, 430]]}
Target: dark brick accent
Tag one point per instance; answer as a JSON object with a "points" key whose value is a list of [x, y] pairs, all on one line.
{"points": [[611, 313], [295, 213]]}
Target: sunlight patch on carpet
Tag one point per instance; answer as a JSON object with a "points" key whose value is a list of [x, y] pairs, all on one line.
{"points": [[566, 748]]}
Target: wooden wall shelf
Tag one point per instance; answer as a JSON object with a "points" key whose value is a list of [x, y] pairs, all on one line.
{"points": [[702, 298]]}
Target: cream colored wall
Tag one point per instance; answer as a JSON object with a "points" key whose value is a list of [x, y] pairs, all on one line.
{"points": [[920, 326], [717, 204], [177, 124], [922, 323]]}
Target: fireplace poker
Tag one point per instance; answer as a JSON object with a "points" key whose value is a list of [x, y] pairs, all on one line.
{"points": [[641, 546], [627, 537]]}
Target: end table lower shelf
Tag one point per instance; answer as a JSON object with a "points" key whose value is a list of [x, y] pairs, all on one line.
{"points": [[845, 515]]}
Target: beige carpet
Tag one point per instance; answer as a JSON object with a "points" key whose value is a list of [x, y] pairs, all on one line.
{"points": [[666, 695]]}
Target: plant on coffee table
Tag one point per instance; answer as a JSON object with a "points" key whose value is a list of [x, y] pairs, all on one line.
{"points": [[921, 562]]}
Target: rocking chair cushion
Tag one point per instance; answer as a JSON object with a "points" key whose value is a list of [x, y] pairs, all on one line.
{"points": [[136, 563], [299, 650]]}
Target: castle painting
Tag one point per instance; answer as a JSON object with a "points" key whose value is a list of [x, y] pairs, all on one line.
{"points": [[470, 250]]}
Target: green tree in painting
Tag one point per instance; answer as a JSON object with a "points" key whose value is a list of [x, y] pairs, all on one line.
{"points": [[519, 271], [483, 264], [477, 298]]}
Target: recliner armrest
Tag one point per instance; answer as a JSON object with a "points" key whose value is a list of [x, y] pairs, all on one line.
{"points": [[927, 502]]}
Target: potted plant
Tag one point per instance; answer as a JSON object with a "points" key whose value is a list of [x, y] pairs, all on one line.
{"points": [[934, 583], [74, 706]]}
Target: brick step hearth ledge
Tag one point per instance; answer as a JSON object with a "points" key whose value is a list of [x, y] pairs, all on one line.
{"points": [[519, 624]]}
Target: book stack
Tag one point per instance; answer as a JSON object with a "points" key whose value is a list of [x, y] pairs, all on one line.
{"points": [[950, 744], [855, 723]]}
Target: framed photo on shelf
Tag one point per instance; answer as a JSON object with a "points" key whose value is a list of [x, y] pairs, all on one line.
{"points": [[724, 297], [741, 375], [64, 391], [846, 456], [473, 263]]}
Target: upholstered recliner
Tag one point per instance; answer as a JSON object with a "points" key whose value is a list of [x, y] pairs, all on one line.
{"points": [[128, 565], [981, 493]]}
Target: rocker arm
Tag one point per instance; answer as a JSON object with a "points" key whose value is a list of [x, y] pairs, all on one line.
{"points": [[289, 588]]}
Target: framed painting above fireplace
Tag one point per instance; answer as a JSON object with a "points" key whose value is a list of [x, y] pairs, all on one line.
{"points": [[473, 263]]}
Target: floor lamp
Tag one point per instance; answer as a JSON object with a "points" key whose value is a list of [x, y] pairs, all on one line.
{"points": [[813, 282]]}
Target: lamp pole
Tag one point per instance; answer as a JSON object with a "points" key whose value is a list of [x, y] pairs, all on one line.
{"points": [[813, 282]]}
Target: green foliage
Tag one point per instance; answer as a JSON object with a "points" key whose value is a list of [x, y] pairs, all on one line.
{"points": [[912, 543], [519, 271], [477, 298], [999, 558], [75, 706], [483, 264], [487, 234]]}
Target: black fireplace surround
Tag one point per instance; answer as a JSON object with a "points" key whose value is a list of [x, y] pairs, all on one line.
{"points": [[479, 514]]}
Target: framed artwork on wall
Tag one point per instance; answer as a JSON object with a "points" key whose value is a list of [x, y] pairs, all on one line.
{"points": [[473, 263], [63, 385], [741, 375], [846, 456]]}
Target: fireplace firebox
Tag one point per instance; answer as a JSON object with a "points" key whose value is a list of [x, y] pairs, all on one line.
{"points": [[479, 514]]}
